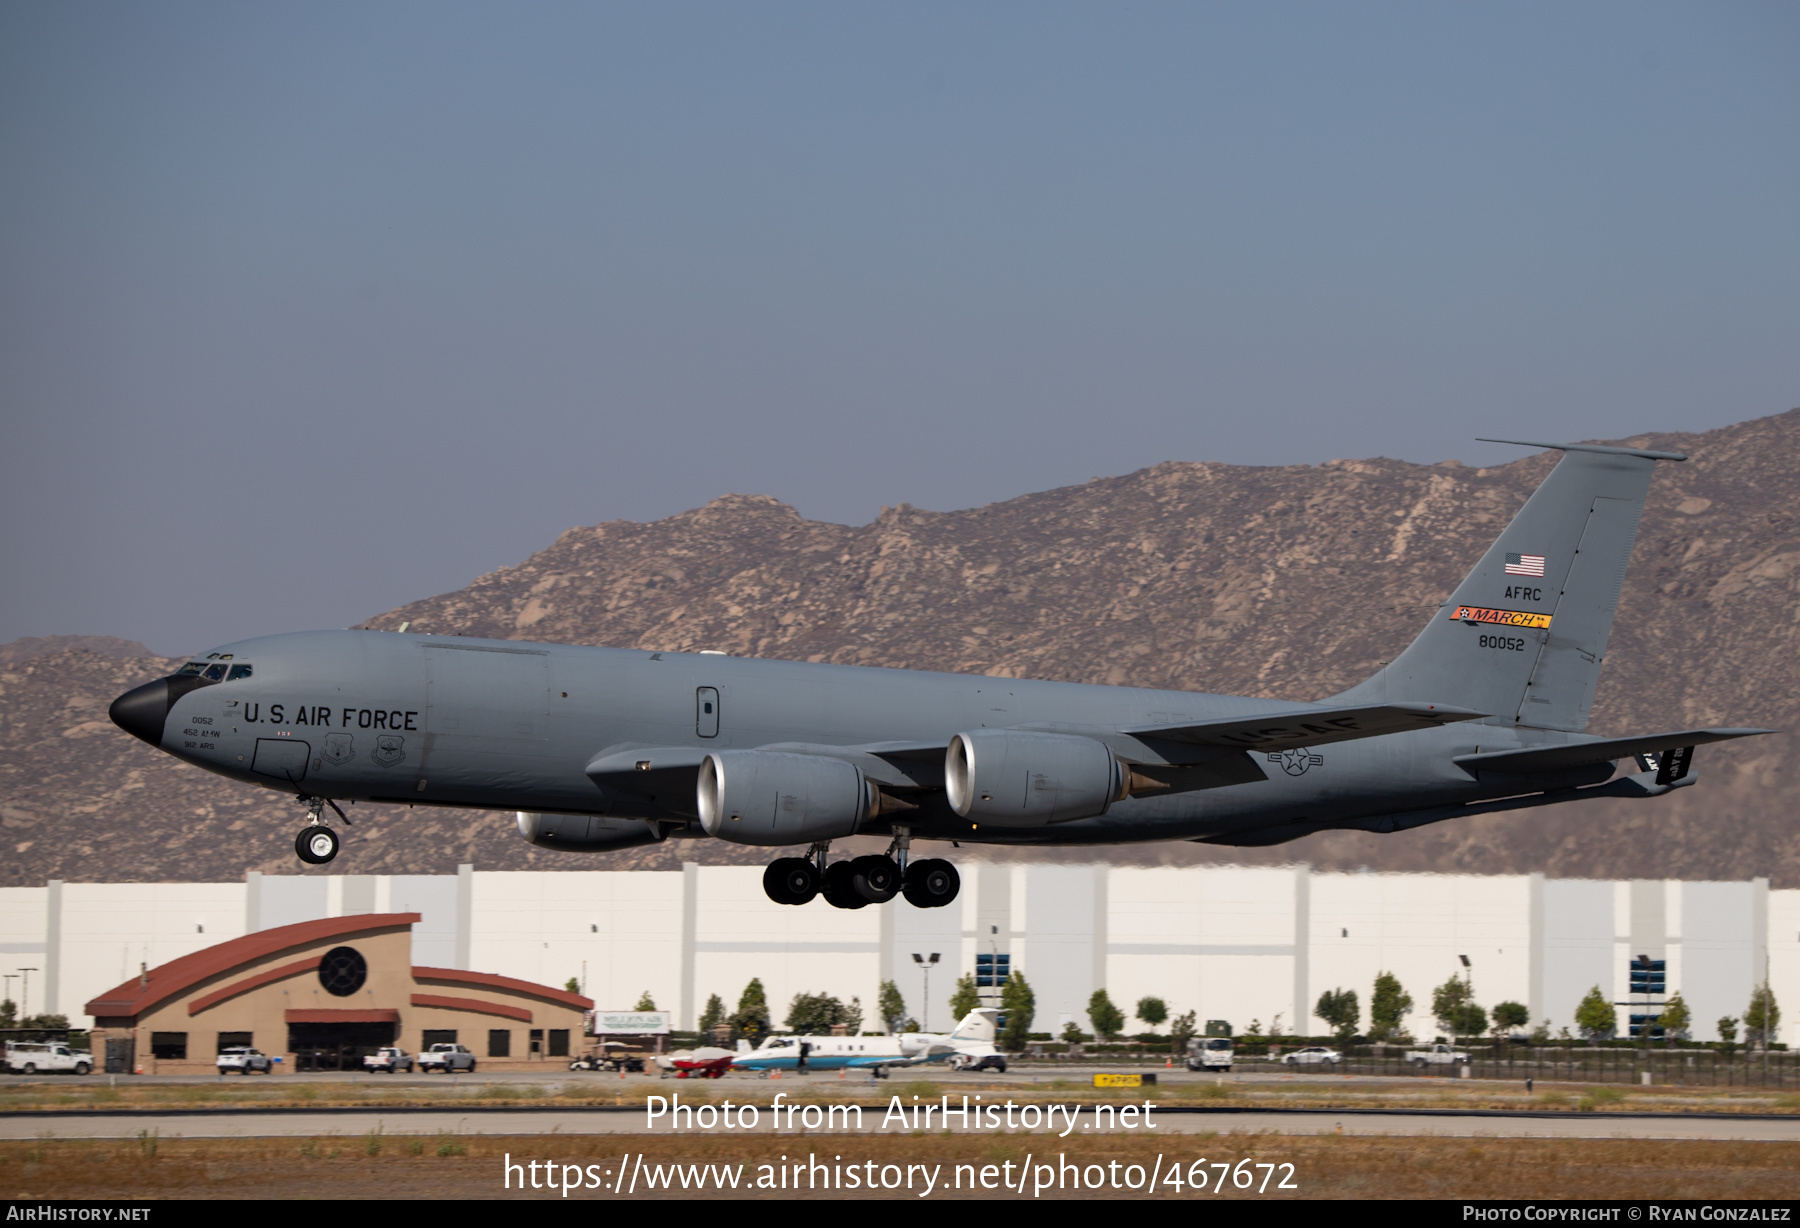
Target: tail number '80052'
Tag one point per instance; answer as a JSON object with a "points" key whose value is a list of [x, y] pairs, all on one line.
{"points": [[1512, 643]]}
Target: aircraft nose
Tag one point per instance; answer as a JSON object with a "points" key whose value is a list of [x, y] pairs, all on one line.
{"points": [[141, 711]]}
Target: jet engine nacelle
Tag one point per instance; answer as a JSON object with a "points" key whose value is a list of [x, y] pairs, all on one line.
{"points": [[1015, 778], [581, 833], [765, 797]]}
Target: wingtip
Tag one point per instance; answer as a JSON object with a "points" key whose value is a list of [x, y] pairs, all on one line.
{"points": [[1602, 448]]}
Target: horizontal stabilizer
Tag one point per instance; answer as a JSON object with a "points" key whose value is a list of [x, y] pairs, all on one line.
{"points": [[1313, 725], [1603, 750]]}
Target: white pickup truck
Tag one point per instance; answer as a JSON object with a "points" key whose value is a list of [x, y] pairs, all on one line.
{"points": [[447, 1058], [1438, 1055], [53, 1057]]}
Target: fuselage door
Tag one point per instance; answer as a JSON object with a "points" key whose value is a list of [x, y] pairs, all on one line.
{"points": [[706, 712]]}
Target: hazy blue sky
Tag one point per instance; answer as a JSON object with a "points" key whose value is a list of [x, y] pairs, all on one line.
{"points": [[307, 310]]}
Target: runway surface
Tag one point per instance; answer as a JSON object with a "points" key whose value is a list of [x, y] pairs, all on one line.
{"points": [[588, 1122]]}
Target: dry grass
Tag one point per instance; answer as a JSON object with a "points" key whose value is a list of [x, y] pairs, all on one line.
{"points": [[449, 1166], [1296, 1093]]}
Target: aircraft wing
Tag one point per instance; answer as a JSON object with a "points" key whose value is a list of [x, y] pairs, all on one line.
{"points": [[1605, 750], [1312, 725], [663, 775]]}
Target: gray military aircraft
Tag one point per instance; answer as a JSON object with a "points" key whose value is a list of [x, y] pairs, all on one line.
{"points": [[606, 748]]}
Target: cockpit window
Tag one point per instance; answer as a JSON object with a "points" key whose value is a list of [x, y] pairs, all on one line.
{"points": [[214, 673], [238, 671], [190, 669]]}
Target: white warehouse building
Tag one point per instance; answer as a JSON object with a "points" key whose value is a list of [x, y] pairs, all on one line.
{"points": [[1232, 943]]}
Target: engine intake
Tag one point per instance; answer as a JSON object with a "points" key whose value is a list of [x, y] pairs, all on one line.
{"points": [[582, 833], [1015, 778], [766, 797]]}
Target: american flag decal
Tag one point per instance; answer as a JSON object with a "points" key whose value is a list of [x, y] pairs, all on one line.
{"points": [[1524, 564]]}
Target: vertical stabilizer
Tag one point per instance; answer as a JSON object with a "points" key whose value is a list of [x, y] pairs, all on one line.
{"points": [[1524, 634], [978, 1024]]}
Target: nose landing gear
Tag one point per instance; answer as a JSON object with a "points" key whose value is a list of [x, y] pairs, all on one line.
{"points": [[317, 844], [876, 879]]}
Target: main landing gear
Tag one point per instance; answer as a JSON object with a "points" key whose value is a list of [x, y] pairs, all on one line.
{"points": [[861, 881], [317, 844]]}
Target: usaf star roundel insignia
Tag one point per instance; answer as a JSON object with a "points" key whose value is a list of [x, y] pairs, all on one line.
{"points": [[1296, 760]]}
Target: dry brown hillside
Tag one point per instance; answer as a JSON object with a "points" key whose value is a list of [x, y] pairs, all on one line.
{"points": [[1289, 582]]}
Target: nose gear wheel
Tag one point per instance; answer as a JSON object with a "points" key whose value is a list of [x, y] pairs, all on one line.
{"points": [[316, 845]]}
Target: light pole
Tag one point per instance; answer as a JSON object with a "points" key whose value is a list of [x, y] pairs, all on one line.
{"points": [[925, 970], [25, 994], [1469, 985]]}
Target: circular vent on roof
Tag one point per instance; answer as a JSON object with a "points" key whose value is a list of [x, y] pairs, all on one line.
{"points": [[343, 971]]}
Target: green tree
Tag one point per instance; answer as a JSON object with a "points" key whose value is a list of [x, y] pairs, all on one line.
{"points": [[1447, 1001], [1108, 1020], [890, 1004], [1762, 1018], [815, 1014], [1072, 1033], [1728, 1030], [1153, 1011], [9, 1013], [1340, 1009], [645, 1002], [713, 1015], [751, 1019], [573, 985], [1509, 1016], [1019, 1006], [1595, 1016], [964, 997], [1453, 1006], [853, 1017], [1388, 1004], [1675, 1019], [1181, 1031]]}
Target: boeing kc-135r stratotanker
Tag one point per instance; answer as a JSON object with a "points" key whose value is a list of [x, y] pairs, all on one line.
{"points": [[606, 748]]}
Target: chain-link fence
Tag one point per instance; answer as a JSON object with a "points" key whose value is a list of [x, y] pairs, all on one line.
{"points": [[1671, 1067]]}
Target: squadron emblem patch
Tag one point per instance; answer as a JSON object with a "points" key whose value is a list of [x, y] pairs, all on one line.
{"points": [[389, 749]]}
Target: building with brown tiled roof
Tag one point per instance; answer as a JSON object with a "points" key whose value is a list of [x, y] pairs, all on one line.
{"points": [[320, 995]]}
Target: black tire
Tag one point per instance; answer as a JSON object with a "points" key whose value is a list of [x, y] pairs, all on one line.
{"points": [[316, 845], [82, 1068], [471, 1067], [931, 883], [838, 890], [875, 878], [30, 1068], [791, 880]]}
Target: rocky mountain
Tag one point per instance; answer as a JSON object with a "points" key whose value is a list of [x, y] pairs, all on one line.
{"points": [[27, 647], [1289, 582]]}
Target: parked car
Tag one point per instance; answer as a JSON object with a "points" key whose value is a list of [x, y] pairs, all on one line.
{"points": [[1313, 1055], [1438, 1055], [388, 1060], [969, 1063], [1210, 1053], [447, 1059], [245, 1061], [50, 1057]]}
